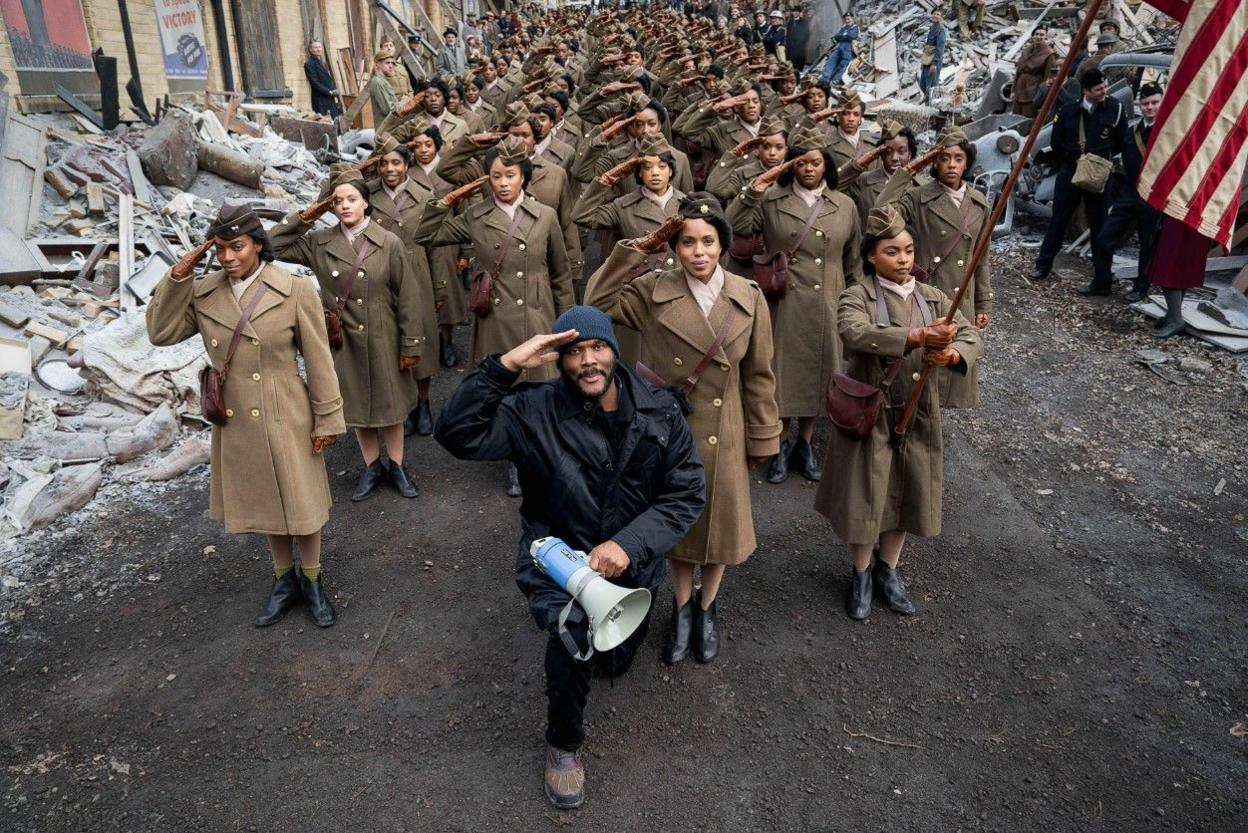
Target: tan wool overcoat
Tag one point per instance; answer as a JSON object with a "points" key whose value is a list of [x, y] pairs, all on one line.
{"points": [[534, 284], [868, 486], [265, 476], [400, 214], [734, 405], [947, 237], [381, 321], [808, 349], [443, 269]]}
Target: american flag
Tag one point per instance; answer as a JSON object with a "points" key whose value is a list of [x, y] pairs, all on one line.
{"points": [[1196, 155]]}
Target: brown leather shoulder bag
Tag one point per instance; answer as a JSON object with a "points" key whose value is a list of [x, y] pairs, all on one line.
{"points": [[771, 272], [211, 380]]}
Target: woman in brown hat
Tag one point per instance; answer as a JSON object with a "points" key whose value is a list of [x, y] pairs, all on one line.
{"points": [[846, 141], [949, 216], [874, 492], [816, 226], [708, 332], [520, 243], [397, 204], [268, 476], [368, 281]]}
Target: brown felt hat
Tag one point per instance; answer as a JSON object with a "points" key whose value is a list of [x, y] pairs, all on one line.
{"points": [[771, 125], [386, 144], [235, 220], [653, 144], [808, 137], [951, 136], [512, 151], [850, 99], [885, 222], [517, 112]]}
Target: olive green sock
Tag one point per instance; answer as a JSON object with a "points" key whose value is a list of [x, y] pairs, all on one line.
{"points": [[311, 573], [278, 572]]}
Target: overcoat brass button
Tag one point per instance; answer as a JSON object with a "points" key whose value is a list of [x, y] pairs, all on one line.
{"points": [[522, 247], [818, 286], [359, 301], [360, 274], [711, 440], [334, 274], [256, 341], [361, 328], [520, 301], [229, 412], [961, 263], [214, 342], [255, 412], [724, 368], [914, 376], [717, 402], [818, 233], [670, 261], [519, 274], [942, 232], [255, 377], [495, 301], [818, 261], [936, 259], [678, 361]]}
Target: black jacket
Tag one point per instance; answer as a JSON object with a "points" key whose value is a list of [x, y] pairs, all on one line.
{"points": [[323, 87], [1106, 128], [1132, 156], [644, 492], [797, 36]]}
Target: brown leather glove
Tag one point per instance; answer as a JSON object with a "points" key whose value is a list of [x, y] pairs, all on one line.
{"points": [[319, 444], [461, 193], [314, 211], [617, 173], [408, 362], [654, 242], [185, 267], [613, 130], [748, 145], [942, 357], [488, 139], [924, 160], [932, 337], [768, 178]]}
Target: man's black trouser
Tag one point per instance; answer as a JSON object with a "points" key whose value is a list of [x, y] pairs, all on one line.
{"points": [[1127, 210], [567, 681], [1066, 200]]}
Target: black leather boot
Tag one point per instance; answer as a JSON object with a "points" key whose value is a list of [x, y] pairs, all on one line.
{"points": [[370, 479], [778, 468], [316, 601], [888, 580], [448, 355], [705, 630], [424, 418], [802, 459], [400, 481], [283, 596], [513, 481], [409, 424], [677, 647], [858, 605]]}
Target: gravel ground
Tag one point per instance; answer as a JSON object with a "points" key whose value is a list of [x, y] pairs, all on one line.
{"points": [[1077, 662]]}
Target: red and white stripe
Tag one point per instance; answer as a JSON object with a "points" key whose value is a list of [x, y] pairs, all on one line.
{"points": [[1196, 155]]}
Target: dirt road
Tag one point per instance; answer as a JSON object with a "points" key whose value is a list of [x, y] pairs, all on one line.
{"points": [[1077, 662]]}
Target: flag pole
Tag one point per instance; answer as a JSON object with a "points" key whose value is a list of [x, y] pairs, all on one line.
{"points": [[998, 209]]}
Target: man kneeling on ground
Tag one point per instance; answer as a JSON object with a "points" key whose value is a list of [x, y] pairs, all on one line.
{"points": [[607, 463]]}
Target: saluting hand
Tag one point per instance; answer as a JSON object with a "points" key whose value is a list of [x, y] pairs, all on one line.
{"points": [[869, 157], [461, 193], [824, 114], [617, 173], [488, 139], [727, 104], [924, 160], [185, 267], [748, 145], [768, 178], [613, 130], [314, 211], [619, 87], [537, 351], [409, 104], [609, 559], [655, 241]]}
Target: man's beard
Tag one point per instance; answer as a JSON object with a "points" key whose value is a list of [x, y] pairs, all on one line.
{"points": [[597, 374]]}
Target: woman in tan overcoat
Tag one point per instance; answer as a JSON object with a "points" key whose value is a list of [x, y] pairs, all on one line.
{"points": [[735, 423], [948, 216], [397, 202], [364, 271], [268, 476], [635, 214], [823, 258], [873, 492], [533, 284]]}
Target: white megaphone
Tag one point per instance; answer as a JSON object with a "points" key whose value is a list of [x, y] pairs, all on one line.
{"points": [[614, 612]]}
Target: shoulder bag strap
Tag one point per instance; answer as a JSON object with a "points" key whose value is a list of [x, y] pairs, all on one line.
{"points": [[720, 335], [1083, 137], [366, 249], [399, 204], [240, 326], [810, 224], [962, 229]]}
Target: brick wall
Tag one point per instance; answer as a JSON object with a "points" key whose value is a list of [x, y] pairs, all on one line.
{"points": [[104, 30]]}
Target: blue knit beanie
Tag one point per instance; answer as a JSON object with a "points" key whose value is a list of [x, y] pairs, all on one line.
{"points": [[590, 322]]}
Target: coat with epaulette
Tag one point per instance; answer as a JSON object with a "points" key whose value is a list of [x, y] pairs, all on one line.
{"points": [[808, 349], [600, 157], [265, 476], [843, 151], [443, 260], [533, 285], [946, 239], [461, 164], [734, 404], [381, 319], [868, 485], [400, 214]]}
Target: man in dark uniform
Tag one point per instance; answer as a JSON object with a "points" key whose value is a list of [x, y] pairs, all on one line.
{"points": [[1129, 209], [797, 37], [773, 35], [1106, 130], [609, 465]]}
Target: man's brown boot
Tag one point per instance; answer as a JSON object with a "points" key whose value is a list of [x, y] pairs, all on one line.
{"points": [[565, 778]]}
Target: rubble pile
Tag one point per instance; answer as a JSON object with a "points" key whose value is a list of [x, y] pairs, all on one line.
{"points": [[85, 398]]}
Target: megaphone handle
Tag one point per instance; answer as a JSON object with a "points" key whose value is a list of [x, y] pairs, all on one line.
{"points": [[566, 636]]}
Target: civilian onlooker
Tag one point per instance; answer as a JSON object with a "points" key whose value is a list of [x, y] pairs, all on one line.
{"points": [[838, 61], [933, 59], [324, 91], [451, 57], [1035, 64], [797, 37]]}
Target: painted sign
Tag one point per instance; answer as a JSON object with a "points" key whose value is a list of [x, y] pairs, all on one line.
{"points": [[47, 35], [181, 25]]}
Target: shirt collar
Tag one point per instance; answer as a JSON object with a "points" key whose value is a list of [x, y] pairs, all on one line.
{"points": [[904, 290], [660, 199], [353, 233], [542, 146], [432, 166], [808, 196]]}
